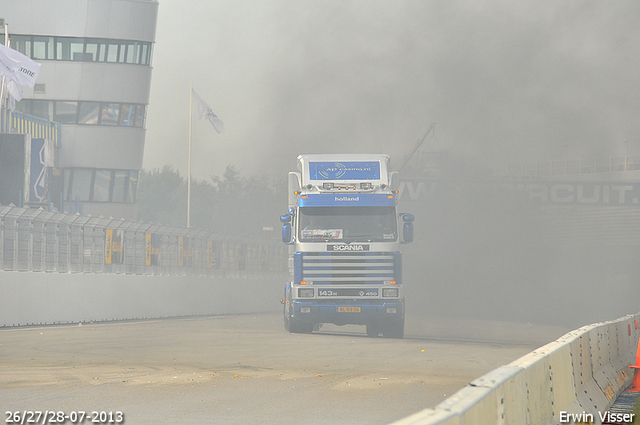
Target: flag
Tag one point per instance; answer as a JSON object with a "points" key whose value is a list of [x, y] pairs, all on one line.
{"points": [[16, 94], [17, 67], [204, 111]]}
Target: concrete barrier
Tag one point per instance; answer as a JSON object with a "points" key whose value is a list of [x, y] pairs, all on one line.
{"points": [[581, 374], [48, 298]]}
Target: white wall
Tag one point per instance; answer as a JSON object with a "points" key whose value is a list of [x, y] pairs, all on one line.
{"points": [[34, 298]]}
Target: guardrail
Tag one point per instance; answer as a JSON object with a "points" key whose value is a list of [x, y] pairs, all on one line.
{"points": [[46, 241], [580, 374]]}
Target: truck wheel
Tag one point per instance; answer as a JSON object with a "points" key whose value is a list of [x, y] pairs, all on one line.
{"points": [[286, 317], [296, 326], [395, 330], [286, 322], [373, 331]]}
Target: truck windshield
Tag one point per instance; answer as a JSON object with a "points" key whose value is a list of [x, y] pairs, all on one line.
{"points": [[349, 224]]}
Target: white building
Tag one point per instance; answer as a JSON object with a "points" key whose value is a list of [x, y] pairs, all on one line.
{"points": [[94, 80]]}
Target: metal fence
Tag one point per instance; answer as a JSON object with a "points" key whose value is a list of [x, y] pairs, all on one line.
{"points": [[45, 241]]}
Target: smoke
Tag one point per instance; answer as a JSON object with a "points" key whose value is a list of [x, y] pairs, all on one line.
{"points": [[504, 82], [481, 253]]}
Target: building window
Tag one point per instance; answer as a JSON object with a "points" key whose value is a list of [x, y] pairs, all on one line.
{"points": [[65, 112], [42, 48], [36, 108], [140, 116], [109, 114], [82, 49], [86, 113], [80, 184], [69, 48], [128, 115], [145, 54], [21, 43], [67, 183], [100, 185], [112, 52], [92, 51], [132, 187], [133, 52], [120, 186]]}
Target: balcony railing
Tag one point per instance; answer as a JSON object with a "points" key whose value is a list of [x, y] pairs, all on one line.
{"points": [[37, 127]]}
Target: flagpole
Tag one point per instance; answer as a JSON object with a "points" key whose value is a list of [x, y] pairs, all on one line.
{"points": [[189, 163], [6, 118]]}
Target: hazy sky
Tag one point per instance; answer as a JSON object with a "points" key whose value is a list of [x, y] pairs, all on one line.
{"points": [[503, 81]]}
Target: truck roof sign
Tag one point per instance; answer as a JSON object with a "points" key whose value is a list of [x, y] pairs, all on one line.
{"points": [[345, 170], [349, 169]]}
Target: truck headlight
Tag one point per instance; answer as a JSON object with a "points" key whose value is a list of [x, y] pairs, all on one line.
{"points": [[389, 292], [305, 292]]}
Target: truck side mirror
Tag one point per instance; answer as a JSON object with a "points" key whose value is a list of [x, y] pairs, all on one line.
{"points": [[285, 218], [286, 233], [286, 228], [407, 228]]}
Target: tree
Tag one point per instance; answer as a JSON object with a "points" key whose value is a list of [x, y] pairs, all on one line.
{"points": [[162, 197], [230, 204]]}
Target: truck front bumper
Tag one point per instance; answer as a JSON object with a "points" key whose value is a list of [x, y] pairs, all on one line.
{"points": [[349, 312]]}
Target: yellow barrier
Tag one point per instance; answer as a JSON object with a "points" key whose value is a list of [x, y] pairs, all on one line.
{"points": [[38, 128]]}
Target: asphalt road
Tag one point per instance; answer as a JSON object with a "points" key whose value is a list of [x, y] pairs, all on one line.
{"points": [[245, 369]]}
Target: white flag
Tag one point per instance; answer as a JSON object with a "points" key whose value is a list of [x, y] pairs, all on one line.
{"points": [[204, 111], [18, 67], [15, 93]]}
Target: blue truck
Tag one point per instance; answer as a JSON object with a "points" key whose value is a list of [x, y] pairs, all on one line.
{"points": [[344, 234]]}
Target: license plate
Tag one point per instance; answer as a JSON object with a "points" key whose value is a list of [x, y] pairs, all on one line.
{"points": [[349, 310]]}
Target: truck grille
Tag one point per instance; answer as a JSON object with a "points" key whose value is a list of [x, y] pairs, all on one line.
{"points": [[347, 268]]}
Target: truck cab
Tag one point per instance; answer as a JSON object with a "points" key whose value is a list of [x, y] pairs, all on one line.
{"points": [[344, 235]]}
